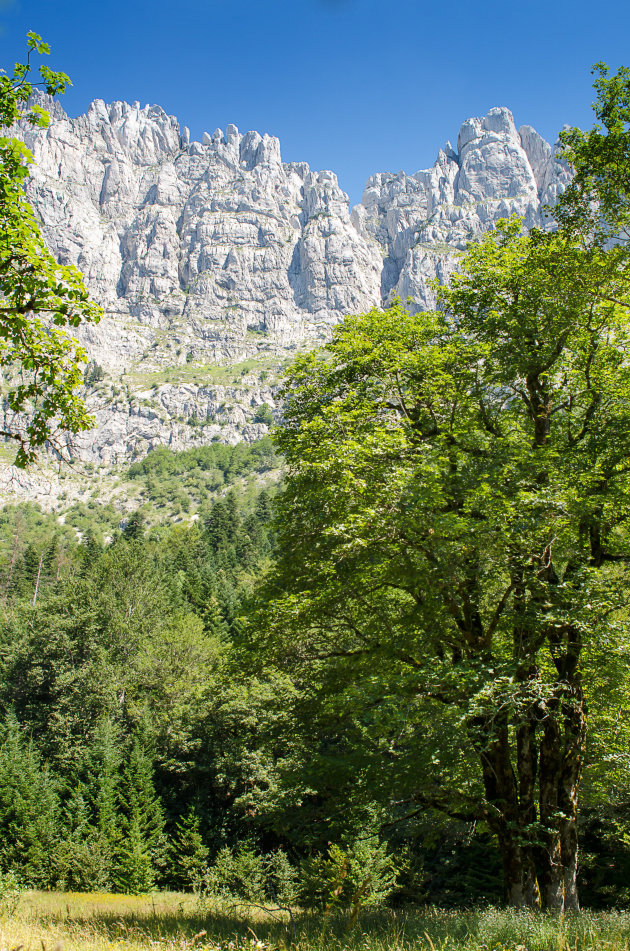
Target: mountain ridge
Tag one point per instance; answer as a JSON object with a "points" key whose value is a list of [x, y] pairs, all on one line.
{"points": [[215, 261]]}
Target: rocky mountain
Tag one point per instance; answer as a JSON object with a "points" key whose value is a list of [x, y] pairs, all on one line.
{"points": [[215, 261]]}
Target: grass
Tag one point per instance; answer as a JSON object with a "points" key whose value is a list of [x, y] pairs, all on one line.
{"points": [[177, 922], [203, 374]]}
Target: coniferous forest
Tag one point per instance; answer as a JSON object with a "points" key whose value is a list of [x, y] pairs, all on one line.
{"points": [[378, 659]]}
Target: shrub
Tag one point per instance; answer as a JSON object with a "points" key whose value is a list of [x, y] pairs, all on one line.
{"points": [[248, 875], [10, 893], [357, 873], [264, 415]]}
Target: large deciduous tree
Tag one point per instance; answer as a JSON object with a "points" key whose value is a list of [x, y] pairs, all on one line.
{"points": [[39, 299], [454, 528]]}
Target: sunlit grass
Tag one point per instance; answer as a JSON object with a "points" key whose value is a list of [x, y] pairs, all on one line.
{"points": [[45, 921]]}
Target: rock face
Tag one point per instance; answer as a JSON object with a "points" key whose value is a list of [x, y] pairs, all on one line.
{"points": [[214, 260], [421, 220]]}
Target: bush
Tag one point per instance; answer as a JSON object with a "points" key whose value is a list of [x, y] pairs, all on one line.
{"points": [[357, 873], [10, 892], [93, 373], [264, 415], [84, 864], [248, 875]]}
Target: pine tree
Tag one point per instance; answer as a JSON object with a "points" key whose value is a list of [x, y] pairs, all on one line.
{"points": [[136, 525], [90, 549]]}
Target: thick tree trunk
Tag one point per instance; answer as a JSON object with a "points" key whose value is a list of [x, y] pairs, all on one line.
{"points": [[519, 873], [561, 762], [509, 822], [552, 874], [527, 765], [570, 865], [548, 756]]}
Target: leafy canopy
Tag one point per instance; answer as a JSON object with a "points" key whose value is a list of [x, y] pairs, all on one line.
{"points": [[39, 299], [596, 205]]}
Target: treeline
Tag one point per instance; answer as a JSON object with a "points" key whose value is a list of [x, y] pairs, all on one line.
{"points": [[146, 741]]}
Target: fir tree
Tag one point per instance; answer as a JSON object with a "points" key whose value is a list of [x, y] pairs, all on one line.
{"points": [[136, 525], [83, 859]]}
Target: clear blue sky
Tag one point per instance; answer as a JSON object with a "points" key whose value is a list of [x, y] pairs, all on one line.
{"points": [[357, 86]]}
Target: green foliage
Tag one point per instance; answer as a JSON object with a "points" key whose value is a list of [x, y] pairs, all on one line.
{"points": [[39, 297], [140, 848], [135, 526], [446, 599], [454, 529], [29, 810], [188, 481], [10, 894], [26, 536], [246, 874], [357, 874], [92, 820], [83, 859], [237, 873], [596, 204], [93, 373], [188, 855], [230, 461], [129, 639], [264, 415]]}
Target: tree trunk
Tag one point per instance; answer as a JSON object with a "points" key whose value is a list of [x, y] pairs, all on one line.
{"points": [[519, 873], [39, 574], [561, 761], [509, 821], [549, 755], [527, 763], [569, 842], [552, 873], [575, 740]]}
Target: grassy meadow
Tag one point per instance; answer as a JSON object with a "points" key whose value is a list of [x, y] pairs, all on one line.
{"points": [[54, 921]]}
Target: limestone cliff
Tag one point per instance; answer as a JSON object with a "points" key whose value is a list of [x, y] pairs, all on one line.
{"points": [[214, 260]]}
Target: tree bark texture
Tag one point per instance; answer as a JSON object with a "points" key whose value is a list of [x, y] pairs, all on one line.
{"points": [[531, 775]]}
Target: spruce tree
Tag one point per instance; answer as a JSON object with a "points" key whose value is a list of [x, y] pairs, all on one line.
{"points": [[187, 854], [29, 810], [140, 845], [136, 525], [83, 860]]}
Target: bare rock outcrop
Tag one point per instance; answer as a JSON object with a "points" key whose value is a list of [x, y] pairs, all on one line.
{"points": [[215, 257]]}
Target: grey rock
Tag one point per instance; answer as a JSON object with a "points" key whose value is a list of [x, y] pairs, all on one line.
{"points": [[217, 253]]}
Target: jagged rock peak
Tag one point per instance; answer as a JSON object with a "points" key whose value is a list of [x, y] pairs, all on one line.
{"points": [[217, 253]]}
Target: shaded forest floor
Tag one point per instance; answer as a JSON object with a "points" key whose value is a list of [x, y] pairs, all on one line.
{"points": [[48, 921]]}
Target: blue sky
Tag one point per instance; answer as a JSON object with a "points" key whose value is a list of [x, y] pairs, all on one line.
{"points": [[357, 86]]}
